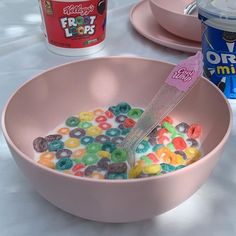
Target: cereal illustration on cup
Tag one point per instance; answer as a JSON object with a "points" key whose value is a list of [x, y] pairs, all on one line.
{"points": [[48, 7]]}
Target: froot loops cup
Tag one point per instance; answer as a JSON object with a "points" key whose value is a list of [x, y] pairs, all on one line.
{"points": [[218, 43], [74, 27]]}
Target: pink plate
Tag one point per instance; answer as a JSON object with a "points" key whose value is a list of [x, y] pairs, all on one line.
{"points": [[144, 22], [170, 15]]}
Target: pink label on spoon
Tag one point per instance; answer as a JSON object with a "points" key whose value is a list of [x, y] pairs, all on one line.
{"points": [[184, 75]]}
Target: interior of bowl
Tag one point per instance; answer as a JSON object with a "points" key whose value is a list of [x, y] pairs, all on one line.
{"points": [[46, 101], [176, 6]]}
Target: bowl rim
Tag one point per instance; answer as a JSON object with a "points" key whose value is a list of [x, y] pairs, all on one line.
{"points": [[154, 2], [106, 181]]}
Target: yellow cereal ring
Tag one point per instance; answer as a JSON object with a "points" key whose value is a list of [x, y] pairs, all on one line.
{"points": [[47, 163], [94, 131], [104, 154], [86, 116], [152, 169], [98, 112], [63, 131], [72, 142], [47, 156], [136, 170], [193, 153], [78, 153], [179, 160]]}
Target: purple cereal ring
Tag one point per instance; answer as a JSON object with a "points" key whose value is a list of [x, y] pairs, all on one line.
{"points": [[53, 137], [181, 153], [191, 142], [90, 169], [40, 144], [77, 133], [117, 167], [182, 127], [117, 140], [63, 153], [120, 118], [103, 163], [102, 139]]}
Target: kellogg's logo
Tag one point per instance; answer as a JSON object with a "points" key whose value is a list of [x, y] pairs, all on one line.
{"points": [[78, 9]]}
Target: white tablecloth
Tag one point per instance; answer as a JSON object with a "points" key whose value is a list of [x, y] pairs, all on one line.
{"points": [[210, 211]]}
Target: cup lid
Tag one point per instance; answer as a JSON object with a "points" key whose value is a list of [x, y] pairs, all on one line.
{"points": [[224, 9]]}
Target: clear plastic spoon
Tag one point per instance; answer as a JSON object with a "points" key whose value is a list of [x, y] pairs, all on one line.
{"points": [[178, 84]]}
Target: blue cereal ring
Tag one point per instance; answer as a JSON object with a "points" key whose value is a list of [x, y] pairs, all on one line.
{"points": [[86, 140], [116, 176], [113, 132], [124, 107], [72, 121], [167, 168], [109, 147], [64, 163], [115, 110], [143, 147], [55, 145]]}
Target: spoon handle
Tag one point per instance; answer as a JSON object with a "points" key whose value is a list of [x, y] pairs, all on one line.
{"points": [[190, 8]]}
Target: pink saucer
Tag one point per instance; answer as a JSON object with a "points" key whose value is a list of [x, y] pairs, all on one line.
{"points": [[144, 22]]}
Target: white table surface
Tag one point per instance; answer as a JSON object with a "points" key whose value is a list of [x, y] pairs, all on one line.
{"points": [[210, 211]]}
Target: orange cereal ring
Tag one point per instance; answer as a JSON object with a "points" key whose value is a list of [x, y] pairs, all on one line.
{"points": [[163, 152], [80, 30], [78, 153], [63, 131], [47, 163], [47, 156], [194, 131], [98, 112]]}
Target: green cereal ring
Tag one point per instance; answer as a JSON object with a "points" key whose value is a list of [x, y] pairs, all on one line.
{"points": [[108, 146], [80, 20], [167, 167], [64, 163], [171, 147], [84, 125], [119, 155], [143, 147], [90, 159], [77, 160], [116, 176], [135, 113], [55, 146], [147, 160], [169, 127], [72, 121], [93, 147], [86, 140], [124, 107]]}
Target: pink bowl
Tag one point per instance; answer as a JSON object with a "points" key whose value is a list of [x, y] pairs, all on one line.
{"points": [[46, 100], [170, 16]]}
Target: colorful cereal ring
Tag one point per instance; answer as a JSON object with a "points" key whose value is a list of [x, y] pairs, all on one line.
{"points": [[77, 133], [116, 176], [97, 175], [78, 153], [113, 132], [109, 114], [55, 145], [98, 112], [90, 159], [142, 147], [104, 126], [179, 143], [135, 113], [153, 157], [102, 139], [152, 169], [94, 131], [47, 163], [182, 127], [72, 143], [194, 131], [78, 167], [104, 154], [167, 119], [63, 153], [84, 125], [129, 123], [72, 121], [101, 119], [47, 156], [124, 107], [86, 140], [63, 131], [167, 167], [119, 155], [86, 116], [93, 147], [120, 118], [64, 163], [115, 110]]}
